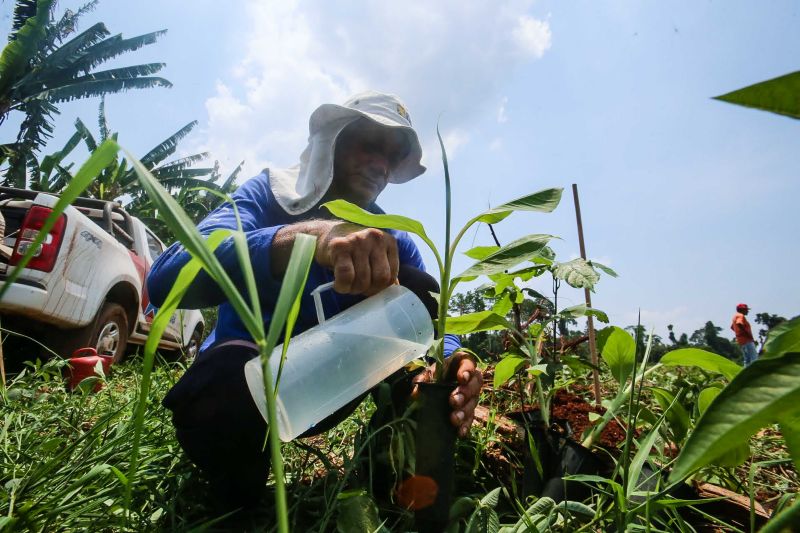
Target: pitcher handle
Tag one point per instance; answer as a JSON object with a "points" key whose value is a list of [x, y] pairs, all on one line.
{"points": [[318, 300]]}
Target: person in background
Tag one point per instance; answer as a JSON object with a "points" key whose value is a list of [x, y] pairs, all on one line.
{"points": [[744, 334], [355, 150]]}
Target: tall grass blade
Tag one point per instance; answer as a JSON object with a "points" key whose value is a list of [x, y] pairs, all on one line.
{"points": [[159, 325]]}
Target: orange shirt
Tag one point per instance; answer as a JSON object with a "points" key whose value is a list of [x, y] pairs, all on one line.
{"points": [[741, 327]]}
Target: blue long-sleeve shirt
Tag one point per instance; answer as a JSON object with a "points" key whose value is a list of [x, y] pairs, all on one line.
{"points": [[261, 218]]}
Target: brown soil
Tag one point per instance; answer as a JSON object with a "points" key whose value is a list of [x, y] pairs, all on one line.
{"points": [[570, 408]]}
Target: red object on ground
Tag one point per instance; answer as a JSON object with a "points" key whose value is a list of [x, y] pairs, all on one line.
{"points": [[82, 367], [417, 492]]}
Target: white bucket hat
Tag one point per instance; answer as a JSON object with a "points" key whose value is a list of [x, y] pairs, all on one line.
{"points": [[299, 188]]}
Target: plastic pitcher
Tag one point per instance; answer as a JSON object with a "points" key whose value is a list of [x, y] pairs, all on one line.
{"points": [[334, 362]]}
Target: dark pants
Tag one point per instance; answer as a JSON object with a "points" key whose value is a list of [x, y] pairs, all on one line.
{"points": [[220, 428]]}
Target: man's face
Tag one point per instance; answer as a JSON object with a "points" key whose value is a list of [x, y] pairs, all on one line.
{"points": [[364, 156]]}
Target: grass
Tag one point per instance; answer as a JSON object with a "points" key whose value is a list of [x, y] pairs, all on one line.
{"points": [[64, 458]]}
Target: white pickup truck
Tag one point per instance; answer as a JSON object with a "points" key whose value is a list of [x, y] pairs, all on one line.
{"points": [[85, 285]]}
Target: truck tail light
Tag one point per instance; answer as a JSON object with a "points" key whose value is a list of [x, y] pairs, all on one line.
{"points": [[44, 258]]}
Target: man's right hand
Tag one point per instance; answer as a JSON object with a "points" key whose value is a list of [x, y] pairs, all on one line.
{"points": [[364, 260]]}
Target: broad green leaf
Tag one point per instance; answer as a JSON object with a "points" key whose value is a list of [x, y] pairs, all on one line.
{"points": [[702, 359], [483, 520], [543, 201], [577, 273], [537, 370], [481, 252], [358, 513], [783, 338], [474, 322], [779, 95], [508, 256], [763, 393], [352, 213], [506, 368], [503, 305], [581, 310], [619, 353], [601, 337], [604, 268], [705, 398], [675, 413], [790, 429], [492, 498]]}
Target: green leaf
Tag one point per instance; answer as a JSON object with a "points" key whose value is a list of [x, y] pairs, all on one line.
{"points": [[508, 256], [506, 368], [543, 201], [641, 456], [358, 513], [619, 353], [481, 252], [705, 398], [675, 413], [702, 359], [763, 393], [581, 310], [779, 95], [352, 213], [736, 456], [474, 322], [604, 268], [503, 304], [790, 429], [783, 338], [577, 273], [492, 498]]}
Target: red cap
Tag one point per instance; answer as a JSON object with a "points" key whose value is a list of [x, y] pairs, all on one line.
{"points": [[742, 306]]}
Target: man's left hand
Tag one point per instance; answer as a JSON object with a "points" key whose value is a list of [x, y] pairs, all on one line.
{"points": [[464, 397]]}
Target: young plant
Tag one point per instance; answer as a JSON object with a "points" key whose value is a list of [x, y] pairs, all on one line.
{"points": [[508, 256]]}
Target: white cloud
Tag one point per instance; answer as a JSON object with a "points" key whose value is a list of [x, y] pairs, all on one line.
{"points": [[496, 144], [532, 35], [447, 60], [501, 112]]}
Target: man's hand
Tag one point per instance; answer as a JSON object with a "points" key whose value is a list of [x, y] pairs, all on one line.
{"points": [[464, 397], [364, 260]]}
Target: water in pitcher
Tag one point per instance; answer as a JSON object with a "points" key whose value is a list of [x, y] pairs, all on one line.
{"points": [[331, 376]]}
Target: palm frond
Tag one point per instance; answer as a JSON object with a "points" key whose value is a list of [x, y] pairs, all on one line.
{"points": [[183, 162], [167, 147], [23, 10], [102, 123], [186, 178], [228, 186], [63, 56], [111, 48], [87, 136], [86, 88], [50, 161], [17, 55], [59, 30]]}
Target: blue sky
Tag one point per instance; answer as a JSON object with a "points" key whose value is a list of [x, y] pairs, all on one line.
{"points": [[691, 200]]}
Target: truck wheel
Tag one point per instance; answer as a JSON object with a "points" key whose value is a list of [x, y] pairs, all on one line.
{"points": [[110, 335], [193, 347]]}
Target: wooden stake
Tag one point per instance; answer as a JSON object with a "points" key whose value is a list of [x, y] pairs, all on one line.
{"points": [[587, 294]]}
